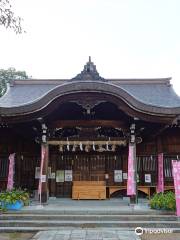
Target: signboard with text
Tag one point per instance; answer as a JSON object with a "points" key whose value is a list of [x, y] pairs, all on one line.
{"points": [[68, 175], [117, 175], [60, 176]]}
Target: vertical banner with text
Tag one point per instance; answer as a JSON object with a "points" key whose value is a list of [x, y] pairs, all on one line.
{"points": [[160, 185], [10, 183], [131, 184], [176, 176]]}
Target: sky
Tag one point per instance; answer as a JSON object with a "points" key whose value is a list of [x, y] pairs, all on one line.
{"points": [[125, 38]]}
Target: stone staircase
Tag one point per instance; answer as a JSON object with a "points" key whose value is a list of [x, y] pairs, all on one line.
{"points": [[52, 220]]}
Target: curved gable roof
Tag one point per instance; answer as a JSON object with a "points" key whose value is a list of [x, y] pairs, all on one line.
{"points": [[153, 95]]}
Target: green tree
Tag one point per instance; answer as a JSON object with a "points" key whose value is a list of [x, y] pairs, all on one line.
{"points": [[8, 18], [7, 76]]}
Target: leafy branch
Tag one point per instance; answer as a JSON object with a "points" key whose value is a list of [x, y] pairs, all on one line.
{"points": [[8, 18]]}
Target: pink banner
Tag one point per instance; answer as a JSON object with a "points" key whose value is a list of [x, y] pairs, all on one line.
{"points": [[160, 185], [10, 183], [176, 176], [43, 152], [131, 184]]}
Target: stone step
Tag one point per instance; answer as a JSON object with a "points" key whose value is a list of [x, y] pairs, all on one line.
{"points": [[24, 217], [92, 212], [85, 223]]}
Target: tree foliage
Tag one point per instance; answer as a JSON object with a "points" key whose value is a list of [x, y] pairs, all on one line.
{"points": [[7, 76], [8, 18]]}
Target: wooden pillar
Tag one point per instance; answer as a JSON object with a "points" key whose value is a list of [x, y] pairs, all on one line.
{"points": [[44, 193], [132, 142], [45, 155]]}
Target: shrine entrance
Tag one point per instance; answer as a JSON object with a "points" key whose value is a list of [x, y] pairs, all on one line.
{"points": [[84, 169], [87, 148]]}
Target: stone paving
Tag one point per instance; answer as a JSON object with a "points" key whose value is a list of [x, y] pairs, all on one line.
{"points": [[86, 234]]}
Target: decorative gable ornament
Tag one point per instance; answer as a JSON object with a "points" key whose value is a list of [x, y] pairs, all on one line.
{"points": [[89, 73]]}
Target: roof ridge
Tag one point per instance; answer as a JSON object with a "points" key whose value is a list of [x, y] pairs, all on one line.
{"points": [[120, 80]]}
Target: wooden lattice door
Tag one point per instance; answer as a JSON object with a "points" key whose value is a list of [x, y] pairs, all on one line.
{"points": [[64, 188], [89, 167]]}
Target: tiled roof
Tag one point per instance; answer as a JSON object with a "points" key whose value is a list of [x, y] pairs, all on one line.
{"points": [[153, 92], [158, 95], [20, 95], [151, 96]]}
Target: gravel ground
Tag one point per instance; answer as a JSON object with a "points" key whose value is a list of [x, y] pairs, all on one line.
{"points": [[170, 236], [16, 236]]}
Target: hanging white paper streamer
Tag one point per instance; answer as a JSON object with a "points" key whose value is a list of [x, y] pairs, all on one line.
{"points": [[81, 146], [94, 148]]}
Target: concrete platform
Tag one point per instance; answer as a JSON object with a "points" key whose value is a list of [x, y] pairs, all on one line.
{"points": [[112, 206]]}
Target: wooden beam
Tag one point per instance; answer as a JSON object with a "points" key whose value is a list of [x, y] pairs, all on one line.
{"points": [[70, 142], [88, 123]]}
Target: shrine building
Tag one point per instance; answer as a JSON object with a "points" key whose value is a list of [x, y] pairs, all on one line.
{"points": [[85, 125]]}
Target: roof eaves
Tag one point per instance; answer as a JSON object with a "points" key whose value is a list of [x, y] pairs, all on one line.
{"points": [[164, 81], [39, 82]]}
